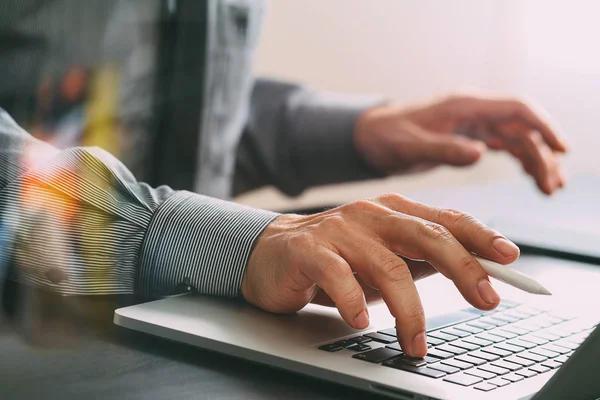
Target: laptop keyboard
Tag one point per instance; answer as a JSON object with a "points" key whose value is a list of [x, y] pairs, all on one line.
{"points": [[478, 349]]}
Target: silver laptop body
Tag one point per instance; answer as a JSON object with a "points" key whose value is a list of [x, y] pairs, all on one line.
{"points": [[292, 342]]}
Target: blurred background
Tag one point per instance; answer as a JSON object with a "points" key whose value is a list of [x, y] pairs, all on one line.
{"points": [[410, 50]]}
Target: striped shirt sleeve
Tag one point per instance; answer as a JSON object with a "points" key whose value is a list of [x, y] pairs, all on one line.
{"points": [[78, 223]]}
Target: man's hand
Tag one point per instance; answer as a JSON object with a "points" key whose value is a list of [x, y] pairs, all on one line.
{"points": [[297, 256], [457, 131]]}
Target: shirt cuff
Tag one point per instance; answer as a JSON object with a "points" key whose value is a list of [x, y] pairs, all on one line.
{"points": [[198, 243]]}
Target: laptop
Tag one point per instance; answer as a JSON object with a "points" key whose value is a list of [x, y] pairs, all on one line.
{"points": [[529, 347], [525, 346]]}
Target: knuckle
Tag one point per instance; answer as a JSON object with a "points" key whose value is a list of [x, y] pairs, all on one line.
{"points": [[334, 270], [456, 98], [522, 105], [362, 205], [460, 218], [450, 215], [469, 267], [414, 313], [354, 295], [432, 231], [393, 270], [391, 198], [301, 240], [335, 221]]}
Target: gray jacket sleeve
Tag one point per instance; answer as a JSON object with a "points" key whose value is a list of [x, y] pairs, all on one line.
{"points": [[297, 137]]}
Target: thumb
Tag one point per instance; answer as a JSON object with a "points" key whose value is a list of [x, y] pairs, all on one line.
{"points": [[443, 148]]}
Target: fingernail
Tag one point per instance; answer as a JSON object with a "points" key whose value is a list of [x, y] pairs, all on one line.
{"points": [[419, 346], [362, 320], [487, 292], [505, 247]]}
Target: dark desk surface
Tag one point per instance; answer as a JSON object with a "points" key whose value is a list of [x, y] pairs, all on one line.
{"points": [[106, 361]]}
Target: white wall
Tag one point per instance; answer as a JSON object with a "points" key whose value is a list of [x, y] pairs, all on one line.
{"points": [[414, 49]]}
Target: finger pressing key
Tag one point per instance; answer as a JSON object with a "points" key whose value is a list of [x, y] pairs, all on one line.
{"points": [[420, 239]]}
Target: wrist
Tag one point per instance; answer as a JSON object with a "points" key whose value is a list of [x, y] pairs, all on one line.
{"points": [[266, 245]]}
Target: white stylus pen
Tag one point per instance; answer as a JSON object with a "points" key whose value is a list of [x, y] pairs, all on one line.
{"points": [[514, 278]]}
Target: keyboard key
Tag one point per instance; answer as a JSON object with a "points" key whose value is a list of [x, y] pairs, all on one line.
{"points": [[502, 316], [434, 341], [488, 337], [431, 360], [534, 339], [529, 324], [516, 313], [493, 369], [394, 346], [499, 382], [542, 321], [455, 332], [378, 337], [507, 364], [561, 315], [577, 339], [546, 353], [554, 348], [345, 343], [485, 387], [513, 377], [561, 359], [468, 328], [530, 311], [546, 335], [377, 355], [451, 349], [457, 363], [442, 336], [477, 341], [509, 303], [496, 351], [439, 354], [558, 332], [360, 339], [360, 347], [515, 329], [432, 373], [519, 360], [481, 325], [526, 373], [465, 345], [485, 356], [503, 334], [481, 373], [332, 347], [445, 320], [521, 343], [470, 359], [508, 347], [566, 344], [463, 379], [540, 369], [551, 364], [415, 362], [389, 332], [445, 368], [553, 319], [532, 356], [492, 321]]}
